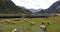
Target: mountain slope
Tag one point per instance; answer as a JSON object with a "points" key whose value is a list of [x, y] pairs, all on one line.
{"points": [[8, 7], [54, 7]]}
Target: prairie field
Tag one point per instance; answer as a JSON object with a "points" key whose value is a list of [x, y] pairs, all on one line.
{"points": [[24, 24]]}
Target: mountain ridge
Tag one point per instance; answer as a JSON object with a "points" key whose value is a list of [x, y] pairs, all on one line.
{"points": [[54, 7], [8, 7]]}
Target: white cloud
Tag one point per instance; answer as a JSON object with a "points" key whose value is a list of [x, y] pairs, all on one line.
{"points": [[35, 4]]}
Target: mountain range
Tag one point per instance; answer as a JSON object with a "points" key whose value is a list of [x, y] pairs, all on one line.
{"points": [[54, 8], [8, 7]]}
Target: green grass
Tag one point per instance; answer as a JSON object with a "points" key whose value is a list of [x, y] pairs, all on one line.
{"points": [[25, 25]]}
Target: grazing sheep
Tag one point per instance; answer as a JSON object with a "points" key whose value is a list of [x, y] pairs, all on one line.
{"points": [[6, 21], [25, 19], [43, 22], [43, 27], [1, 22], [15, 30], [33, 23]]}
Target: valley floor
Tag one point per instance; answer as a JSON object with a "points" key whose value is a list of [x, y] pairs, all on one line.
{"points": [[24, 24]]}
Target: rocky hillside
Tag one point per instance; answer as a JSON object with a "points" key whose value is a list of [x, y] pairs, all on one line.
{"points": [[54, 8], [8, 7]]}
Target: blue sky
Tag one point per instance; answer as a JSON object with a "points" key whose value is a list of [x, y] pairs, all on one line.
{"points": [[35, 4]]}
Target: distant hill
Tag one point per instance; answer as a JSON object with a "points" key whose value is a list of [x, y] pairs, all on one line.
{"points": [[8, 7]]}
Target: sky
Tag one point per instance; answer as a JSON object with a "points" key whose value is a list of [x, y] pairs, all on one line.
{"points": [[34, 4]]}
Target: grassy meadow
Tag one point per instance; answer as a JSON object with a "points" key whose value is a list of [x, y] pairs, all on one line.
{"points": [[24, 24]]}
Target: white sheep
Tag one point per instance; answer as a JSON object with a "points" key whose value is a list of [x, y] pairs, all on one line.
{"points": [[15, 30], [43, 27], [33, 23]]}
